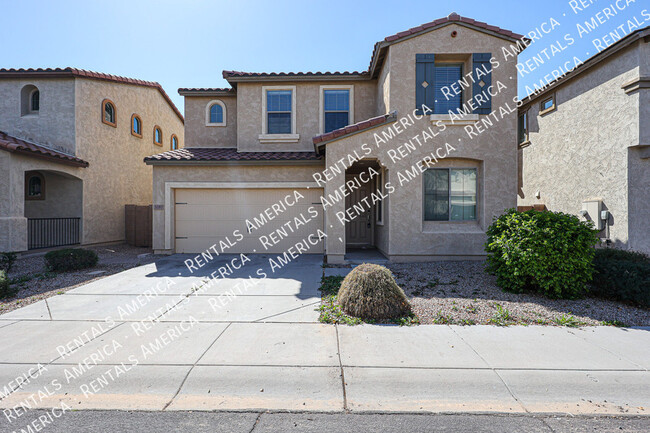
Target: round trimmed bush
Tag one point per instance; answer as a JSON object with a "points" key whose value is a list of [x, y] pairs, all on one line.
{"points": [[547, 252], [70, 259], [370, 292]]}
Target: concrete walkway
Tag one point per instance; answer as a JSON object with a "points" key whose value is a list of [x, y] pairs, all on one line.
{"points": [[158, 337]]}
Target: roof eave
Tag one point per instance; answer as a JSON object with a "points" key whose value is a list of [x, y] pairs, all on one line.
{"points": [[589, 63], [259, 162], [46, 157], [206, 92], [381, 46], [292, 78]]}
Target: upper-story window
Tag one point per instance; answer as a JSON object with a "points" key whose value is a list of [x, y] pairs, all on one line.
{"points": [[109, 115], [136, 126], [547, 105], [450, 194], [215, 114], [30, 100], [447, 75], [336, 107], [35, 101], [174, 142], [522, 128], [278, 109], [157, 135]]}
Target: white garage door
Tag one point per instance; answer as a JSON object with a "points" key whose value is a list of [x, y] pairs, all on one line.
{"points": [[205, 217]]}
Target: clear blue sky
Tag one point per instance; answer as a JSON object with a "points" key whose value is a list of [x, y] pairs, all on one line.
{"points": [[188, 43]]}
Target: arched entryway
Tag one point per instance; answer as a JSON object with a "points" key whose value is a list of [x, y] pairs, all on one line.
{"points": [[53, 208]]}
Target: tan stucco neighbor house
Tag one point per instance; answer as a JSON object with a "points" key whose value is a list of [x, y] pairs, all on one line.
{"points": [[585, 143], [325, 162], [71, 149]]}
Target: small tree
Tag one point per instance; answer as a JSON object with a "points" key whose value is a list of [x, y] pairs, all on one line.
{"points": [[548, 252]]}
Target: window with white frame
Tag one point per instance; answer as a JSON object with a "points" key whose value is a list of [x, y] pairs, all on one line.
{"points": [[450, 194], [215, 113], [336, 107], [278, 111]]}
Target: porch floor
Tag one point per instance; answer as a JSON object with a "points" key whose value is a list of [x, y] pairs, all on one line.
{"points": [[364, 255]]}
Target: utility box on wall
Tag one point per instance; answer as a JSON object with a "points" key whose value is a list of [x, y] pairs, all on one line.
{"points": [[591, 211]]}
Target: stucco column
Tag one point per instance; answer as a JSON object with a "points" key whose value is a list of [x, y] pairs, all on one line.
{"points": [[335, 230], [13, 224]]}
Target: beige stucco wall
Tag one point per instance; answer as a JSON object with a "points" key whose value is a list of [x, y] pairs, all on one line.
{"points": [[493, 153], [53, 125], [116, 174], [583, 150], [198, 134], [250, 112], [63, 198], [163, 174]]}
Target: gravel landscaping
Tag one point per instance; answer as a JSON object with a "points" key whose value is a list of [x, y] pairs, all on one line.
{"points": [[36, 283], [462, 293]]}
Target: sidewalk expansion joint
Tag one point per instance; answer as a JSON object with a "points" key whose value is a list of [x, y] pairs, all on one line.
{"points": [[338, 349], [192, 367]]}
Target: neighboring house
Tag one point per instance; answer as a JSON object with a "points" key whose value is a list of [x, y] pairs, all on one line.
{"points": [[249, 147], [71, 149], [585, 143]]}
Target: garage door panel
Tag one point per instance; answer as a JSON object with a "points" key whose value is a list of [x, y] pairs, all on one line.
{"points": [[204, 217]]}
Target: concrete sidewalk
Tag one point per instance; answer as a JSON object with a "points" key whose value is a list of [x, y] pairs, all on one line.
{"points": [[226, 347]]}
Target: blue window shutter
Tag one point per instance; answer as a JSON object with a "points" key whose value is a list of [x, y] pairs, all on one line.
{"points": [[481, 61], [424, 71]]}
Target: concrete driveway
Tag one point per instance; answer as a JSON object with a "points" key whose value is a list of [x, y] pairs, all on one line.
{"points": [[158, 337]]}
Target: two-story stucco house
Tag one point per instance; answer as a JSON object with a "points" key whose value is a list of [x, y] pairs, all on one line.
{"points": [[585, 143], [71, 149], [325, 162]]}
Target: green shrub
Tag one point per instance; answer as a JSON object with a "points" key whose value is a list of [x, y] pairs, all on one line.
{"points": [[7, 261], [70, 259], [547, 252], [622, 275], [5, 288], [370, 292]]}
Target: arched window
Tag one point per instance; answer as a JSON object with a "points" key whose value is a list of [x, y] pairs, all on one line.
{"points": [[157, 135], [215, 113], [136, 126], [108, 113], [174, 142], [34, 186], [35, 101], [30, 100]]}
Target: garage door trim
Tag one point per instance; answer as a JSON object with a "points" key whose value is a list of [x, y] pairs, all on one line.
{"points": [[213, 185]]}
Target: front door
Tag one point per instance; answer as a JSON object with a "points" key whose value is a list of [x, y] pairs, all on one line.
{"points": [[358, 231]]}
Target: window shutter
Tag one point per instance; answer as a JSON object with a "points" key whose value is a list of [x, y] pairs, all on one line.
{"points": [[481, 61], [424, 81]]}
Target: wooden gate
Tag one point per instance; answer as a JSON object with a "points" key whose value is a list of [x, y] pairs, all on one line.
{"points": [[138, 225]]}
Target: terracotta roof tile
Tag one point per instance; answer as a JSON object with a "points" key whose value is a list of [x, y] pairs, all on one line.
{"points": [[230, 74], [230, 154], [206, 89], [82, 73], [357, 127], [13, 144]]}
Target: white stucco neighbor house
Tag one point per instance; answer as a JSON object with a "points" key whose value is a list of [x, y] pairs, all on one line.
{"points": [[584, 143], [71, 149], [326, 162]]}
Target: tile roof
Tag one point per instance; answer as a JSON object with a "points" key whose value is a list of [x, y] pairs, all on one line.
{"points": [[357, 127], [13, 144], [82, 73], [377, 51], [229, 155], [453, 17], [235, 76], [188, 90]]}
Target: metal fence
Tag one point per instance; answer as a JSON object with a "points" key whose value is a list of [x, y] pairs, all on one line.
{"points": [[52, 232]]}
